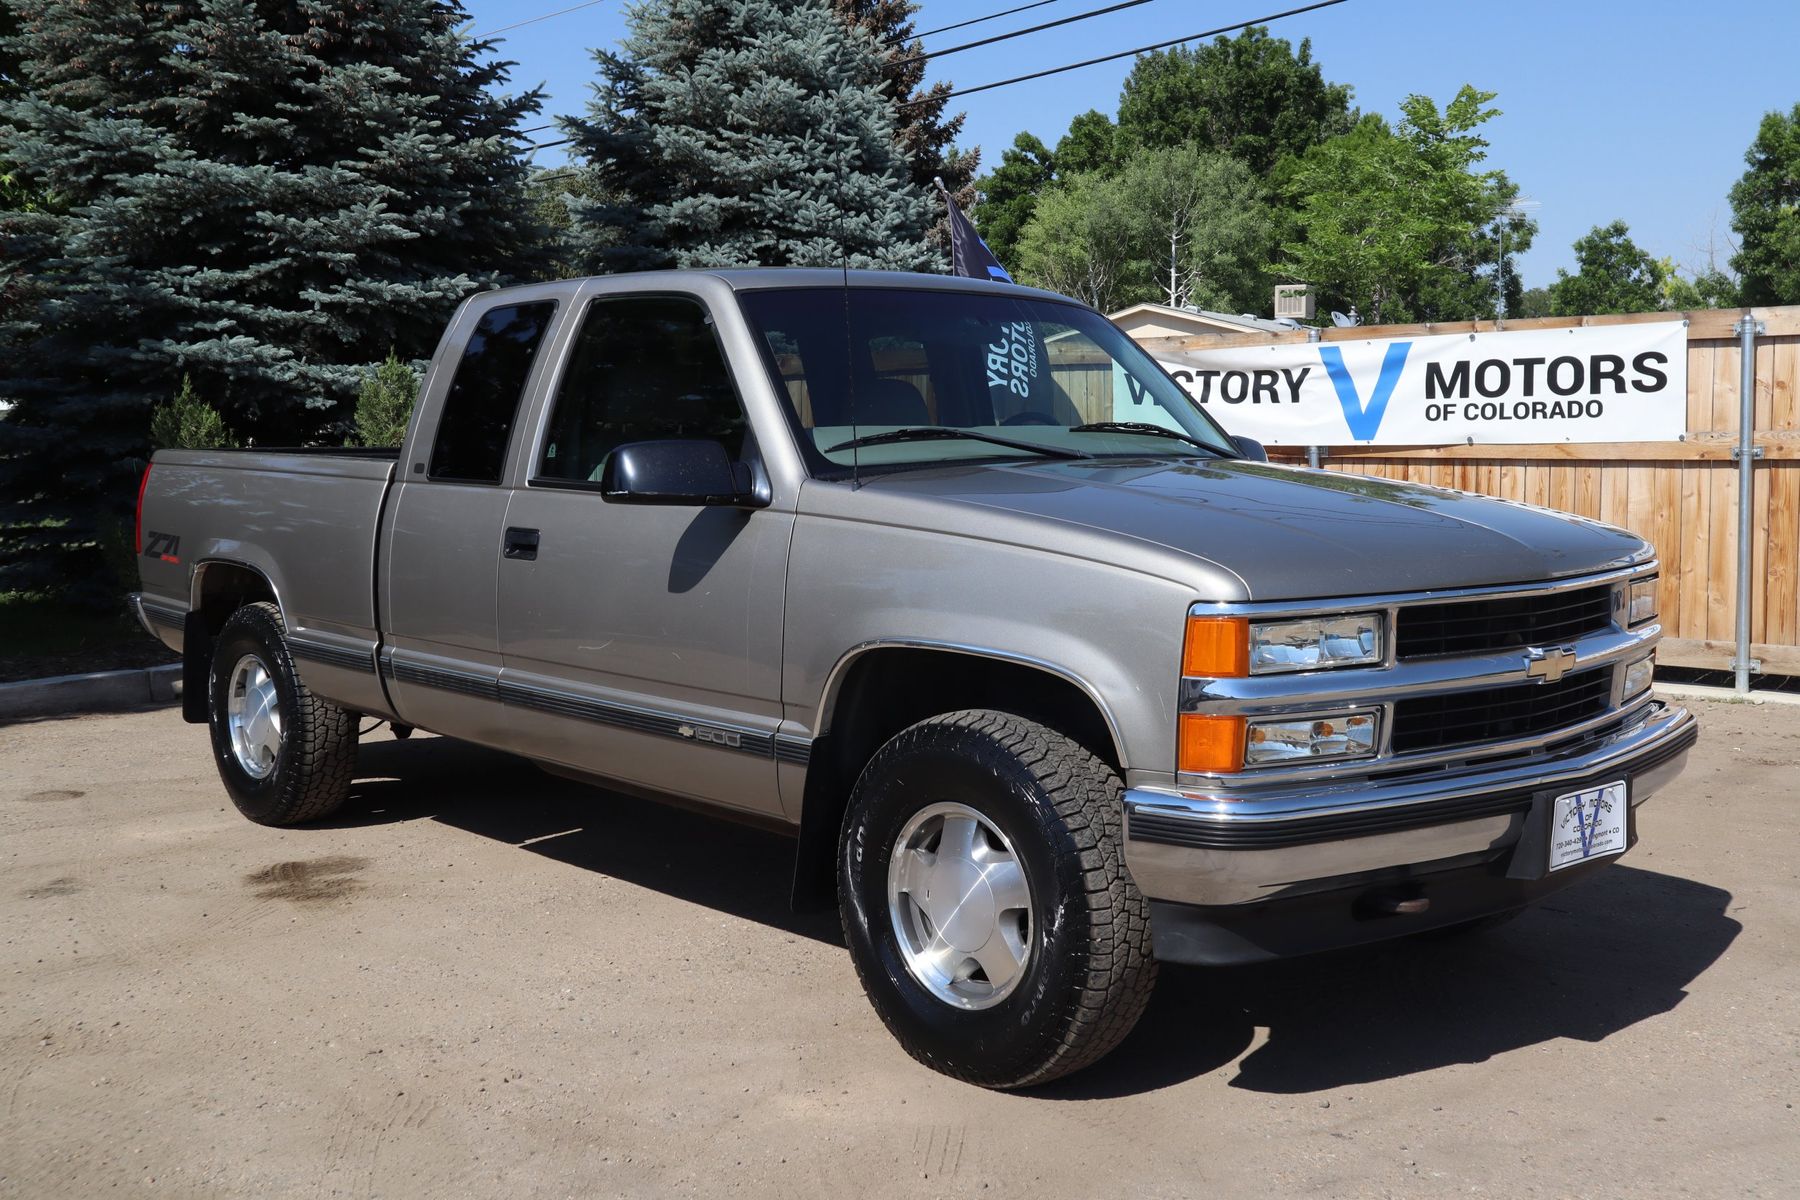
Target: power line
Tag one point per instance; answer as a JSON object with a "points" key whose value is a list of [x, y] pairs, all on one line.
{"points": [[534, 20], [894, 41], [988, 87], [1006, 37]]}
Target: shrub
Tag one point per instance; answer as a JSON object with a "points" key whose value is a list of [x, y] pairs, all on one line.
{"points": [[189, 423], [384, 403]]}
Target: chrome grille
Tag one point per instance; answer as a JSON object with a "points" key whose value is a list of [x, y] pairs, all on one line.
{"points": [[1502, 622], [1499, 714]]}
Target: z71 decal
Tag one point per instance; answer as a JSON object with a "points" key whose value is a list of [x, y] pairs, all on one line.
{"points": [[161, 545]]}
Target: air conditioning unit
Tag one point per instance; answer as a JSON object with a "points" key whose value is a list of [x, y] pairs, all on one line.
{"points": [[1295, 300]]}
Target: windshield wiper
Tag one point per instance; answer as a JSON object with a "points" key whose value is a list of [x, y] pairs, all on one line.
{"points": [[1145, 427], [926, 433]]}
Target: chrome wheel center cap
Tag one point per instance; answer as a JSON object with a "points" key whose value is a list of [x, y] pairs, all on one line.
{"points": [[960, 905], [253, 717]]}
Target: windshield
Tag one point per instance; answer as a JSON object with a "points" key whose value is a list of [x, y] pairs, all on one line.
{"points": [[1019, 370]]}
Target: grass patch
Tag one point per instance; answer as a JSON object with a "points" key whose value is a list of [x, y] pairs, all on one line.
{"points": [[41, 636]]}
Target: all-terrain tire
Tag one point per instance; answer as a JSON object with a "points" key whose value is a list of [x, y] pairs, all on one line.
{"points": [[312, 772], [1089, 973]]}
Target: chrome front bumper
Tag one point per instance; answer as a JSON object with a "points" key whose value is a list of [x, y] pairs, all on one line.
{"points": [[1190, 846]]}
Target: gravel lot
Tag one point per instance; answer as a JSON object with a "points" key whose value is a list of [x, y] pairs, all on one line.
{"points": [[482, 981]]}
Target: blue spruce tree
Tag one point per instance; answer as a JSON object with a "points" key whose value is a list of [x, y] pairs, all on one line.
{"points": [[745, 132], [262, 196]]}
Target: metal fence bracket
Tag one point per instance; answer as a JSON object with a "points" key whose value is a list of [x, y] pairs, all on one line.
{"points": [[1737, 452]]}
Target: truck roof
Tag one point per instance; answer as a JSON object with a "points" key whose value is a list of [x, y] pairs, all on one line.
{"points": [[746, 279]]}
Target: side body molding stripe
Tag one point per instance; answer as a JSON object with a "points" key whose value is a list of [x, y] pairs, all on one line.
{"points": [[585, 708], [333, 656]]}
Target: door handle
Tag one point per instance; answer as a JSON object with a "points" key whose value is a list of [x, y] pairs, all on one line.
{"points": [[520, 543]]}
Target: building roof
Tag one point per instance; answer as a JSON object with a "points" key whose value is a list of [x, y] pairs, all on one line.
{"points": [[1161, 320]]}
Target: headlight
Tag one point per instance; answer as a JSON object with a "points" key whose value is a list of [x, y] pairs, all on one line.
{"points": [[1351, 735], [1311, 643], [1642, 606], [1637, 676]]}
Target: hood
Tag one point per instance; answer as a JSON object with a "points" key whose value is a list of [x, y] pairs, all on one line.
{"points": [[1290, 533]]}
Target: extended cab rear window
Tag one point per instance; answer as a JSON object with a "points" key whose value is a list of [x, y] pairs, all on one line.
{"points": [[483, 402]]}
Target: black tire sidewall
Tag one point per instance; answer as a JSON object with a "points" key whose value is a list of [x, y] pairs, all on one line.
{"points": [[254, 631], [1002, 1044]]}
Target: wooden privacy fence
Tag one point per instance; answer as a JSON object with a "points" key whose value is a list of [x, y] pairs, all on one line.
{"points": [[1683, 495]]}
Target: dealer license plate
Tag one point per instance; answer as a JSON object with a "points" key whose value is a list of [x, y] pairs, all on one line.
{"points": [[1590, 824]]}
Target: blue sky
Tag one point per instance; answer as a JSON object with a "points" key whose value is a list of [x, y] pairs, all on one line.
{"points": [[1638, 110]]}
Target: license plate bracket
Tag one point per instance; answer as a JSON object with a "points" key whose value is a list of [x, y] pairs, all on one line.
{"points": [[1534, 853], [1589, 824]]}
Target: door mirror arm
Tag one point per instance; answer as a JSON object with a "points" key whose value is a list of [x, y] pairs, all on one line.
{"points": [[1250, 450]]}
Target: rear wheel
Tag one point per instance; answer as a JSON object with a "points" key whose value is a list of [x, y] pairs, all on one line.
{"points": [[986, 904], [285, 755]]}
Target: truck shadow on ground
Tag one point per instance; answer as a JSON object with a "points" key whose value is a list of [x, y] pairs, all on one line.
{"points": [[736, 869], [1613, 950], [1607, 953]]}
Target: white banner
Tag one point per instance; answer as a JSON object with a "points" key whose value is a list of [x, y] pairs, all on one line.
{"points": [[1608, 383]]}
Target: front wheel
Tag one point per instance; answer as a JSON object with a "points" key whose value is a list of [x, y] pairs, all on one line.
{"points": [[285, 755], [986, 903]]}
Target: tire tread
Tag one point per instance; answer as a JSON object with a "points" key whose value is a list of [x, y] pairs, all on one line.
{"points": [[1086, 796]]}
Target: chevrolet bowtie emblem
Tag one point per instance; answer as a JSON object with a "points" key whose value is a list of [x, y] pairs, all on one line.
{"points": [[1548, 666]]}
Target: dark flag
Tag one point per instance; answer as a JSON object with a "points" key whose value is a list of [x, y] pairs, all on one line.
{"points": [[969, 255]]}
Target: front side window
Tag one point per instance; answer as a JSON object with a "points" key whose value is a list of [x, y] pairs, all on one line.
{"points": [[858, 363], [645, 368], [483, 401]]}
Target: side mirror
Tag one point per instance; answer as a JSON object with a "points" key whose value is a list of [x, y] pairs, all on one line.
{"points": [[690, 471], [1250, 449]]}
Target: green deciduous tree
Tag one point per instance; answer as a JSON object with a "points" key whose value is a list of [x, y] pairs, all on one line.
{"points": [[1082, 241], [1250, 96], [1091, 144], [1613, 275], [261, 196], [1709, 288], [1203, 227], [1399, 221], [1178, 226], [1010, 194], [1765, 212], [738, 132]]}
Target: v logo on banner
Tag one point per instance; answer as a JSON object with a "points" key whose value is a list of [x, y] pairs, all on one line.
{"points": [[1365, 420]]}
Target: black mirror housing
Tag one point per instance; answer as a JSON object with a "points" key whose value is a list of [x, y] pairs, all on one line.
{"points": [[1250, 449], [684, 471]]}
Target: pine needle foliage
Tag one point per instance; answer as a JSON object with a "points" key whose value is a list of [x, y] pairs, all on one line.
{"points": [[745, 132], [264, 196]]}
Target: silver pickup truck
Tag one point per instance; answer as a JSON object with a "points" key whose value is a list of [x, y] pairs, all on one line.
{"points": [[1049, 677]]}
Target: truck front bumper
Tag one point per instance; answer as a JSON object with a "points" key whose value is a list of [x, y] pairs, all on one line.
{"points": [[1236, 880]]}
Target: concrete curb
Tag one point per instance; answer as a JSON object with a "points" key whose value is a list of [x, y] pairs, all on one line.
{"points": [[97, 691], [1724, 695]]}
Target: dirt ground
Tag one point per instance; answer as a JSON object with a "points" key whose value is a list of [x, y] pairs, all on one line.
{"points": [[482, 982]]}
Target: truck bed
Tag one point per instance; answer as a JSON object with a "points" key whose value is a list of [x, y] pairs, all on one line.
{"points": [[304, 520]]}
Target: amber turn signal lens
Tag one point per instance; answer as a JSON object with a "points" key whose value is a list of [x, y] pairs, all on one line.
{"points": [[1216, 647], [1210, 745]]}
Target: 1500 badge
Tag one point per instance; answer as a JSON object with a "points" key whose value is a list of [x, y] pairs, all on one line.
{"points": [[718, 737]]}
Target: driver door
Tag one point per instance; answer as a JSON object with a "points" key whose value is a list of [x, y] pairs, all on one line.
{"points": [[643, 642]]}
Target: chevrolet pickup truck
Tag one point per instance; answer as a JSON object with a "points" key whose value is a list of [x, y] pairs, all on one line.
{"points": [[1050, 678]]}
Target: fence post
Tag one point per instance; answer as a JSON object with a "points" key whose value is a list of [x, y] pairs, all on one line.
{"points": [[1746, 452]]}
